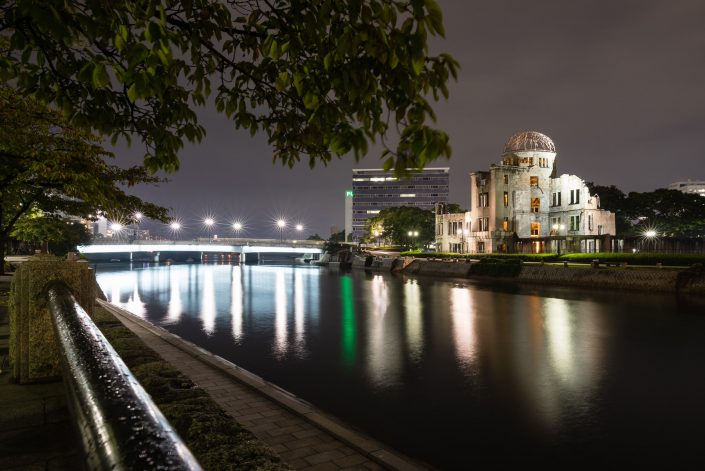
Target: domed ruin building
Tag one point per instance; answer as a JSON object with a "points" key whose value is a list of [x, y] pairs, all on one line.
{"points": [[521, 205]]}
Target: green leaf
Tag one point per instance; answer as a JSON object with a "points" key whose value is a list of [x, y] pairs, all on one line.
{"points": [[100, 76]]}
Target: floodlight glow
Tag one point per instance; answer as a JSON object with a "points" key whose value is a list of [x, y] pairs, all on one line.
{"points": [[175, 226], [138, 215], [650, 233], [281, 223], [299, 227], [237, 226], [117, 227], [208, 221]]}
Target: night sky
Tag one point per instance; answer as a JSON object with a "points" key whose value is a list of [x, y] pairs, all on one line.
{"points": [[619, 85]]}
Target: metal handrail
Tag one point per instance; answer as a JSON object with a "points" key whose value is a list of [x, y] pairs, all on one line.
{"points": [[120, 426]]}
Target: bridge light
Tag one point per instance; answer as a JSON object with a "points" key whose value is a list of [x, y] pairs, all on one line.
{"points": [[237, 226]]}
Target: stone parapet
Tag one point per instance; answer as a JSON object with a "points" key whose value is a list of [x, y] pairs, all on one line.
{"points": [[34, 354]]}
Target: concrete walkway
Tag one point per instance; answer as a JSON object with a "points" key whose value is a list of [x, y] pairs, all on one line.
{"points": [[304, 437]]}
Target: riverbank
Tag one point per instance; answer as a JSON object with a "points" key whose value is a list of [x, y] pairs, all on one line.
{"points": [[665, 280]]}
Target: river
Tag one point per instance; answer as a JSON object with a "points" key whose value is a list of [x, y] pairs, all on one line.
{"points": [[450, 372]]}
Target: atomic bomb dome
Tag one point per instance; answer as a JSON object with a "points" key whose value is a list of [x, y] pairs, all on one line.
{"points": [[529, 141]]}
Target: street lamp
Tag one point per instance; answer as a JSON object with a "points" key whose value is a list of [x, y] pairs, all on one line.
{"points": [[376, 233], [413, 234], [299, 227], [175, 227], [138, 217], [557, 228], [650, 235], [209, 224], [116, 227], [237, 226], [281, 224]]}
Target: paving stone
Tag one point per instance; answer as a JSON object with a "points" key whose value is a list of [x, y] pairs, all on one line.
{"points": [[326, 456]]}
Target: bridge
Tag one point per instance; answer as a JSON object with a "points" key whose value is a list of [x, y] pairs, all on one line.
{"points": [[248, 250]]}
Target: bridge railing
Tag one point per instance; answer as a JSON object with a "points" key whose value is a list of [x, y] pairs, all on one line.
{"points": [[120, 426], [218, 241]]}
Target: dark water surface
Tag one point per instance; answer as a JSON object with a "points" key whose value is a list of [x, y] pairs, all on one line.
{"points": [[456, 374]]}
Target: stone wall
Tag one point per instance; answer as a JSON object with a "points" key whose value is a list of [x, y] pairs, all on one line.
{"points": [[645, 279]]}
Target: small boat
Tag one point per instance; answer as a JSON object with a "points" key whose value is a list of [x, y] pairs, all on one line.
{"points": [[114, 259]]}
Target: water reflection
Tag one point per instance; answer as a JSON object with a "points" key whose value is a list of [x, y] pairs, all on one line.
{"points": [[236, 302], [432, 362], [384, 347], [175, 304], [414, 320], [462, 312], [280, 322], [208, 310]]}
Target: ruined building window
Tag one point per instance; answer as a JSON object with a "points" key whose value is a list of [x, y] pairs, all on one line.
{"points": [[506, 179], [590, 222], [575, 223], [556, 198], [535, 229], [506, 199], [534, 181], [505, 224], [535, 205], [484, 200], [484, 224], [574, 196]]}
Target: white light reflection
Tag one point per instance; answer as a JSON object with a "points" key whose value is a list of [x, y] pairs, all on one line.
{"points": [[134, 303], [464, 335], [384, 357], [414, 319], [299, 311], [175, 307], [208, 312], [236, 302], [280, 327]]}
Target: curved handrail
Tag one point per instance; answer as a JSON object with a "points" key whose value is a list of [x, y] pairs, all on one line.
{"points": [[119, 424]]}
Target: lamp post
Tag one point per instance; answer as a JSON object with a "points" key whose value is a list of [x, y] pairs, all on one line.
{"points": [[557, 229], [281, 224], [650, 236], [459, 233], [376, 233], [116, 227], [209, 224], [299, 228], [413, 234], [237, 226], [137, 217]]}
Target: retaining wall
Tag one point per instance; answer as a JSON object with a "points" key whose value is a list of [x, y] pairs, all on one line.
{"points": [[660, 280]]}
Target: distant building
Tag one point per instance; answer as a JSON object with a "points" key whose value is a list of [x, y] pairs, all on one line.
{"points": [[520, 205], [689, 186], [374, 190]]}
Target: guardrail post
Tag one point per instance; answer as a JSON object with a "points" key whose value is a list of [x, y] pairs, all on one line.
{"points": [[34, 355]]}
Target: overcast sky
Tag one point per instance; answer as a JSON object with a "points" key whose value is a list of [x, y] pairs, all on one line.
{"points": [[619, 85]]}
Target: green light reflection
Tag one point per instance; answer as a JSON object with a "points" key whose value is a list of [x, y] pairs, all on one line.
{"points": [[348, 321]]}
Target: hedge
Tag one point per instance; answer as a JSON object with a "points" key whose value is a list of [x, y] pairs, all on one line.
{"points": [[665, 259]]}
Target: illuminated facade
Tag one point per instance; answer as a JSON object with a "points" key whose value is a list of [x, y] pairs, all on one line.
{"points": [[375, 189], [520, 205], [689, 186]]}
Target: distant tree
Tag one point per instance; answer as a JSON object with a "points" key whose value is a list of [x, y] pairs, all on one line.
{"points": [[314, 237], [396, 223], [454, 208], [670, 212], [320, 78], [60, 234], [613, 199], [47, 165], [334, 242]]}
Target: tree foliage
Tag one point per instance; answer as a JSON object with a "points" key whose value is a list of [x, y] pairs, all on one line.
{"points": [[670, 213], [319, 77], [394, 224], [48, 166], [61, 234]]}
